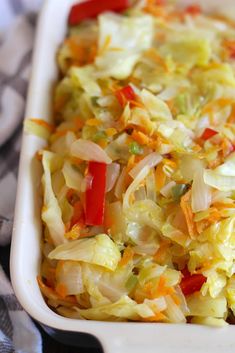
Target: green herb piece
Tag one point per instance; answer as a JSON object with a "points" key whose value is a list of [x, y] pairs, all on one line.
{"points": [[135, 148]]}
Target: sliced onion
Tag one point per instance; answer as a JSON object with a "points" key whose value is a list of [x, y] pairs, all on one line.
{"points": [[168, 93], [219, 181], [113, 171], [201, 193], [89, 151], [157, 304], [146, 249], [73, 177], [151, 186], [151, 160], [116, 221], [183, 302], [173, 311], [134, 186], [189, 165], [140, 194], [120, 186], [166, 190]]}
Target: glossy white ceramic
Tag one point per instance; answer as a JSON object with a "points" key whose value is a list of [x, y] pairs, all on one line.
{"points": [[26, 253]]}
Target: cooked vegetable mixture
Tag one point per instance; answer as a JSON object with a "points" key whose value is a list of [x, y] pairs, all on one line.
{"points": [[139, 176]]}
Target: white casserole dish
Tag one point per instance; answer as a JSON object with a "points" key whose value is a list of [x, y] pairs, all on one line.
{"points": [[26, 253]]}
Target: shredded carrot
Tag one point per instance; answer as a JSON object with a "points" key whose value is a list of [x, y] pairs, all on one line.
{"points": [[160, 177], [215, 163], [160, 255], [50, 293], [155, 10], [134, 80], [43, 123], [154, 56], [230, 46], [59, 133], [188, 213], [79, 122], [202, 225], [127, 256], [78, 214], [106, 44], [82, 52], [140, 137], [220, 103], [169, 162], [221, 205], [160, 289], [76, 160], [111, 132], [62, 290], [227, 147], [175, 298], [93, 122], [143, 125], [74, 232], [231, 118], [102, 142], [60, 102], [213, 217], [130, 163], [206, 265], [77, 50], [196, 148], [156, 318], [136, 104], [161, 37]]}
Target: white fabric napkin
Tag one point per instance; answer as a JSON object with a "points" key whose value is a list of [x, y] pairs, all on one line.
{"points": [[17, 331]]}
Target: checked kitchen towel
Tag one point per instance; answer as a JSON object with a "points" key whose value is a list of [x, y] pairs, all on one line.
{"points": [[17, 331]]}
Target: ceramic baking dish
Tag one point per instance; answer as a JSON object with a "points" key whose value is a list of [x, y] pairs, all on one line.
{"points": [[26, 254]]}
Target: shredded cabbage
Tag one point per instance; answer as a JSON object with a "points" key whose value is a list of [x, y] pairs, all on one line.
{"points": [[129, 36], [100, 250], [148, 94], [51, 212]]}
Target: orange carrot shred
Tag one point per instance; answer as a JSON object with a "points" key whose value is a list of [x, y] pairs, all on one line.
{"points": [[127, 256], [62, 290], [140, 137], [160, 177], [188, 213], [50, 127]]}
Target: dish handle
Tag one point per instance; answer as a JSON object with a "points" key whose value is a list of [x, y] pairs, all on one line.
{"points": [[119, 343]]}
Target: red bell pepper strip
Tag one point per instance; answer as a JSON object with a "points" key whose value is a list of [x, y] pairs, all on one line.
{"points": [[192, 283], [208, 133], [92, 8], [95, 194], [124, 95], [193, 10]]}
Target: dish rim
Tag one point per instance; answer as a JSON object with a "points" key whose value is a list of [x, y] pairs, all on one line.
{"points": [[114, 336]]}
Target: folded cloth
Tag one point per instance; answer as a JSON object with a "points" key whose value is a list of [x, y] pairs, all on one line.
{"points": [[17, 331]]}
